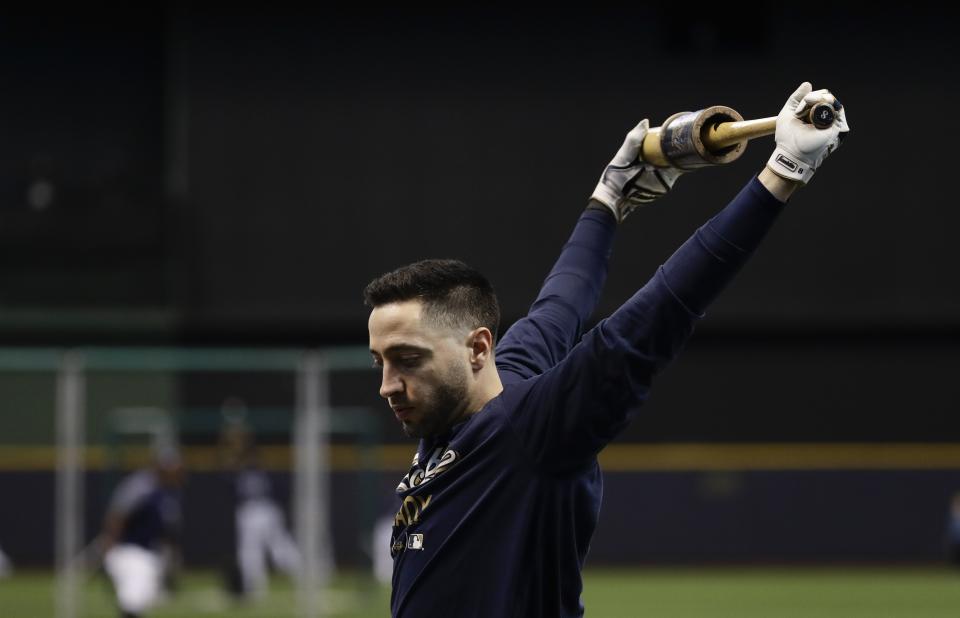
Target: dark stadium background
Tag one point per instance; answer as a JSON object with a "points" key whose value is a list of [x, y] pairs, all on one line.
{"points": [[225, 177]]}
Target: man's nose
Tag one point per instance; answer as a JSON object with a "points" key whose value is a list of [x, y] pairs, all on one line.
{"points": [[390, 384]]}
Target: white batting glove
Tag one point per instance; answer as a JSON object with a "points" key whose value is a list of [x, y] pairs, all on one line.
{"points": [[627, 182], [802, 147]]}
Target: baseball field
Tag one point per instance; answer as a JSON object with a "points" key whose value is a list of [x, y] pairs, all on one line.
{"points": [[781, 592]]}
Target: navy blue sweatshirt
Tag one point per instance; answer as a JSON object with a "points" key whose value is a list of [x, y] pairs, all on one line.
{"points": [[496, 515]]}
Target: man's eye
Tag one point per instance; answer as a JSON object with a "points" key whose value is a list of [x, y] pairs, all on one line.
{"points": [[409, 361], [377, 363]]}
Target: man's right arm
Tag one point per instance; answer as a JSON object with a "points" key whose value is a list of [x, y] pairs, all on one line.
{"points": [[571, 291], [568, 297]]}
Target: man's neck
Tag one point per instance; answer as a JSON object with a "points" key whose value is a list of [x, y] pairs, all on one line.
{"points": [[486, 389]]}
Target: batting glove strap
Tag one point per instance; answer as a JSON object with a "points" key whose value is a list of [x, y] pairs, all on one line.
{"points": [[608, 198], [623, 189], [787, 165]]}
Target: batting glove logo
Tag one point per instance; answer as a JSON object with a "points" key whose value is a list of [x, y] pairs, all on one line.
{"points": [[788, 163]]}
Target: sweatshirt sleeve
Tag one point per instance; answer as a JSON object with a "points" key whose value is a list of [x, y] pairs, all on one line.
{"points": [[565, 416]]}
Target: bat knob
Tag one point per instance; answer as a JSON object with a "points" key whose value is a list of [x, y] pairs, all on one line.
{"points": [[823, 114]]}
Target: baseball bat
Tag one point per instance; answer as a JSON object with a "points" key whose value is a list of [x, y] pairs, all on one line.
{"points": [[714, 136]]}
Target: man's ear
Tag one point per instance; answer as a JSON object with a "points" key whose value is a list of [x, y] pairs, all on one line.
{"points": [[480, 342]]}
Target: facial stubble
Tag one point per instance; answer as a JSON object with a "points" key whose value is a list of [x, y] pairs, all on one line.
{"points": [[446, 405]]}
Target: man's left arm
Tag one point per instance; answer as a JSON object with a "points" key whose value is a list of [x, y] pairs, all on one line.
{"points": [[565, 416]]}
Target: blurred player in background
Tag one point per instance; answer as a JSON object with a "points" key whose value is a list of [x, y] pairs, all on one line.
{"points": [[380, 551], [953, 530], [503, 496], [261, 532], [6, 567], [140, 540]]}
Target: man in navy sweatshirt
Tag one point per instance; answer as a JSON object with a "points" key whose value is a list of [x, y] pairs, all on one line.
{"points": [[496, 514]]}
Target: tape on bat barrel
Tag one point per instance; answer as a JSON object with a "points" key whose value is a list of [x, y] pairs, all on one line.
{"points": [[681, 138]]}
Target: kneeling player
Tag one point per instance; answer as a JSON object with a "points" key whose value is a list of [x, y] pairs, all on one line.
{"points": [[140, 534]]}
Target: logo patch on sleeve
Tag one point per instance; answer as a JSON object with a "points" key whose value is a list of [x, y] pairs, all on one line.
{"points": [[415, 541]]}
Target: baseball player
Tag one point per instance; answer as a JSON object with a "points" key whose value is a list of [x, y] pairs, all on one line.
{"points": [[953, 531], [6, 567], [502, 498], [140, 534], [259, 520]]}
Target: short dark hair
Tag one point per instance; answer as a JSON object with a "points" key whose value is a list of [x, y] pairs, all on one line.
{"points": [[452, 293]]}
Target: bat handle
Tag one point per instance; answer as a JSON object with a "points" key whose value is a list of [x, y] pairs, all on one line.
{"points": [[725, 134]]}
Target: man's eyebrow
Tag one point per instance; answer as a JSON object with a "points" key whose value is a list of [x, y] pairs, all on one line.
{"points": [[406, 347], [403, 347]]}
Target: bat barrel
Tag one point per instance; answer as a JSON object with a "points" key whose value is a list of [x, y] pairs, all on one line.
{"points": [[680, 141]]}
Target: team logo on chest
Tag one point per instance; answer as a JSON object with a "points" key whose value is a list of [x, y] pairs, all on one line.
{"points": [[441, 459]]}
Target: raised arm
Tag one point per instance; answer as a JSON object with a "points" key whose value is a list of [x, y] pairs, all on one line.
{"points": [[568, 414], [568, 297], [570, 292]]}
